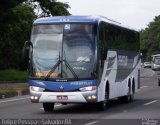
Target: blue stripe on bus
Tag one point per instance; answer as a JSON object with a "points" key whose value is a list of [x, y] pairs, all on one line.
{"points": [[68, 86], [64, 19]]}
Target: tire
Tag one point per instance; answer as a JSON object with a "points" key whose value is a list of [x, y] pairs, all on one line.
{"points": [[132, 93], [48, 107], [128, 98], [158, 82], [101, 106], [124, 99]]}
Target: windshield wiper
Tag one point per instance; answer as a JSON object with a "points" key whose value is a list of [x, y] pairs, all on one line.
{"points": [[57, 64], [54, 67], [69, 67]]}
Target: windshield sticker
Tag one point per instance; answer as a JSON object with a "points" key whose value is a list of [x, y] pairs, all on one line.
{"points": [[85, 59], [67, 26], [39, 74]]}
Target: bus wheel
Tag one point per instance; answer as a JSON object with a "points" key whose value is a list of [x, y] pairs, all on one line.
{"points": [[101, 106], [128, 98], [48, 107], [125, 99], [158, 82], [132, 93]]}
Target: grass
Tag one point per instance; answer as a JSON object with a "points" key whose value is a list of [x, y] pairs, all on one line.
{"points": [[13, 75], [7, 92], [11, 91], [18, 87]]}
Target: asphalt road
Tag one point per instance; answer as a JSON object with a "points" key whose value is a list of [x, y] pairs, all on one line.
{"points": [[144, 110]]}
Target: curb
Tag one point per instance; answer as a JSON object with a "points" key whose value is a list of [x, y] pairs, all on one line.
{"points": [[17, 93]]}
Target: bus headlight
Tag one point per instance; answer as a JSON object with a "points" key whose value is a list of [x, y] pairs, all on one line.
{"points": [[89, 88], [37, 89]]}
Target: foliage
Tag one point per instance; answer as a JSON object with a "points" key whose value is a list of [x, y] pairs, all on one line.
{"points": [[16, 25], [12, 74], [150, 39], [11, 91], [50, 8], [8, 92], [16, 21]]}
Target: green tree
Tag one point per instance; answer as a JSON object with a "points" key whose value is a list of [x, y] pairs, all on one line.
{"points": [[16, 22], [50, 8], [6, 7], [150, 39]]}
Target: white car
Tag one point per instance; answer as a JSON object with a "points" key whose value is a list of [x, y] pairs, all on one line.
{"points": [[147, 64]]}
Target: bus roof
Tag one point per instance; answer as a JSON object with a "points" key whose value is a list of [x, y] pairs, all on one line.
{"points": [[78, 19]]}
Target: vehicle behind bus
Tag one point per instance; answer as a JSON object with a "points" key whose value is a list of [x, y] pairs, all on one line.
{"points": [[156, 62]]}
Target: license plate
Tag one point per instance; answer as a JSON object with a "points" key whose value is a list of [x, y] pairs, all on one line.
{"points": [[62, 97]]}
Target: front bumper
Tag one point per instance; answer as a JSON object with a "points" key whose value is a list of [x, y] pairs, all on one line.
{"points": [[70, 97]]}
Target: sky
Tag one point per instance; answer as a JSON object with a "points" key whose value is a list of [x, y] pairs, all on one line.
{"points": [[134, 13]]}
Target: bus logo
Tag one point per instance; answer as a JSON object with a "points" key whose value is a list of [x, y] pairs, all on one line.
{"points": [[61, 88]]}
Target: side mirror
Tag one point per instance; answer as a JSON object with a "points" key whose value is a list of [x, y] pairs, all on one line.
{"points": [[25, 50], [25, 54], [26, 47], [27, 44]]}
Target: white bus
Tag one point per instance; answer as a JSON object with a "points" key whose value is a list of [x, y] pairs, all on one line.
{"points": [[155, 62], [82, 59]]}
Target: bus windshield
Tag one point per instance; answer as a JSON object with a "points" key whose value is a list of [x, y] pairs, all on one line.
{"points": [[63, 50]]}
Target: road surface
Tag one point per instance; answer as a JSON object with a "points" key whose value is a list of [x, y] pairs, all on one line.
{"points": [[144, 110]]}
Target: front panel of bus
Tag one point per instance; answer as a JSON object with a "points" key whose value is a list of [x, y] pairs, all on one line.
{"points": [[63, 63]]}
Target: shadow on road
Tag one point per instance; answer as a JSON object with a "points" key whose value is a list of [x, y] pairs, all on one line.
{"points": [[113, 106]]}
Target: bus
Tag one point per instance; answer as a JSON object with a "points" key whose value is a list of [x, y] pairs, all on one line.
{"points": [[82, 59], [155, 63]]}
